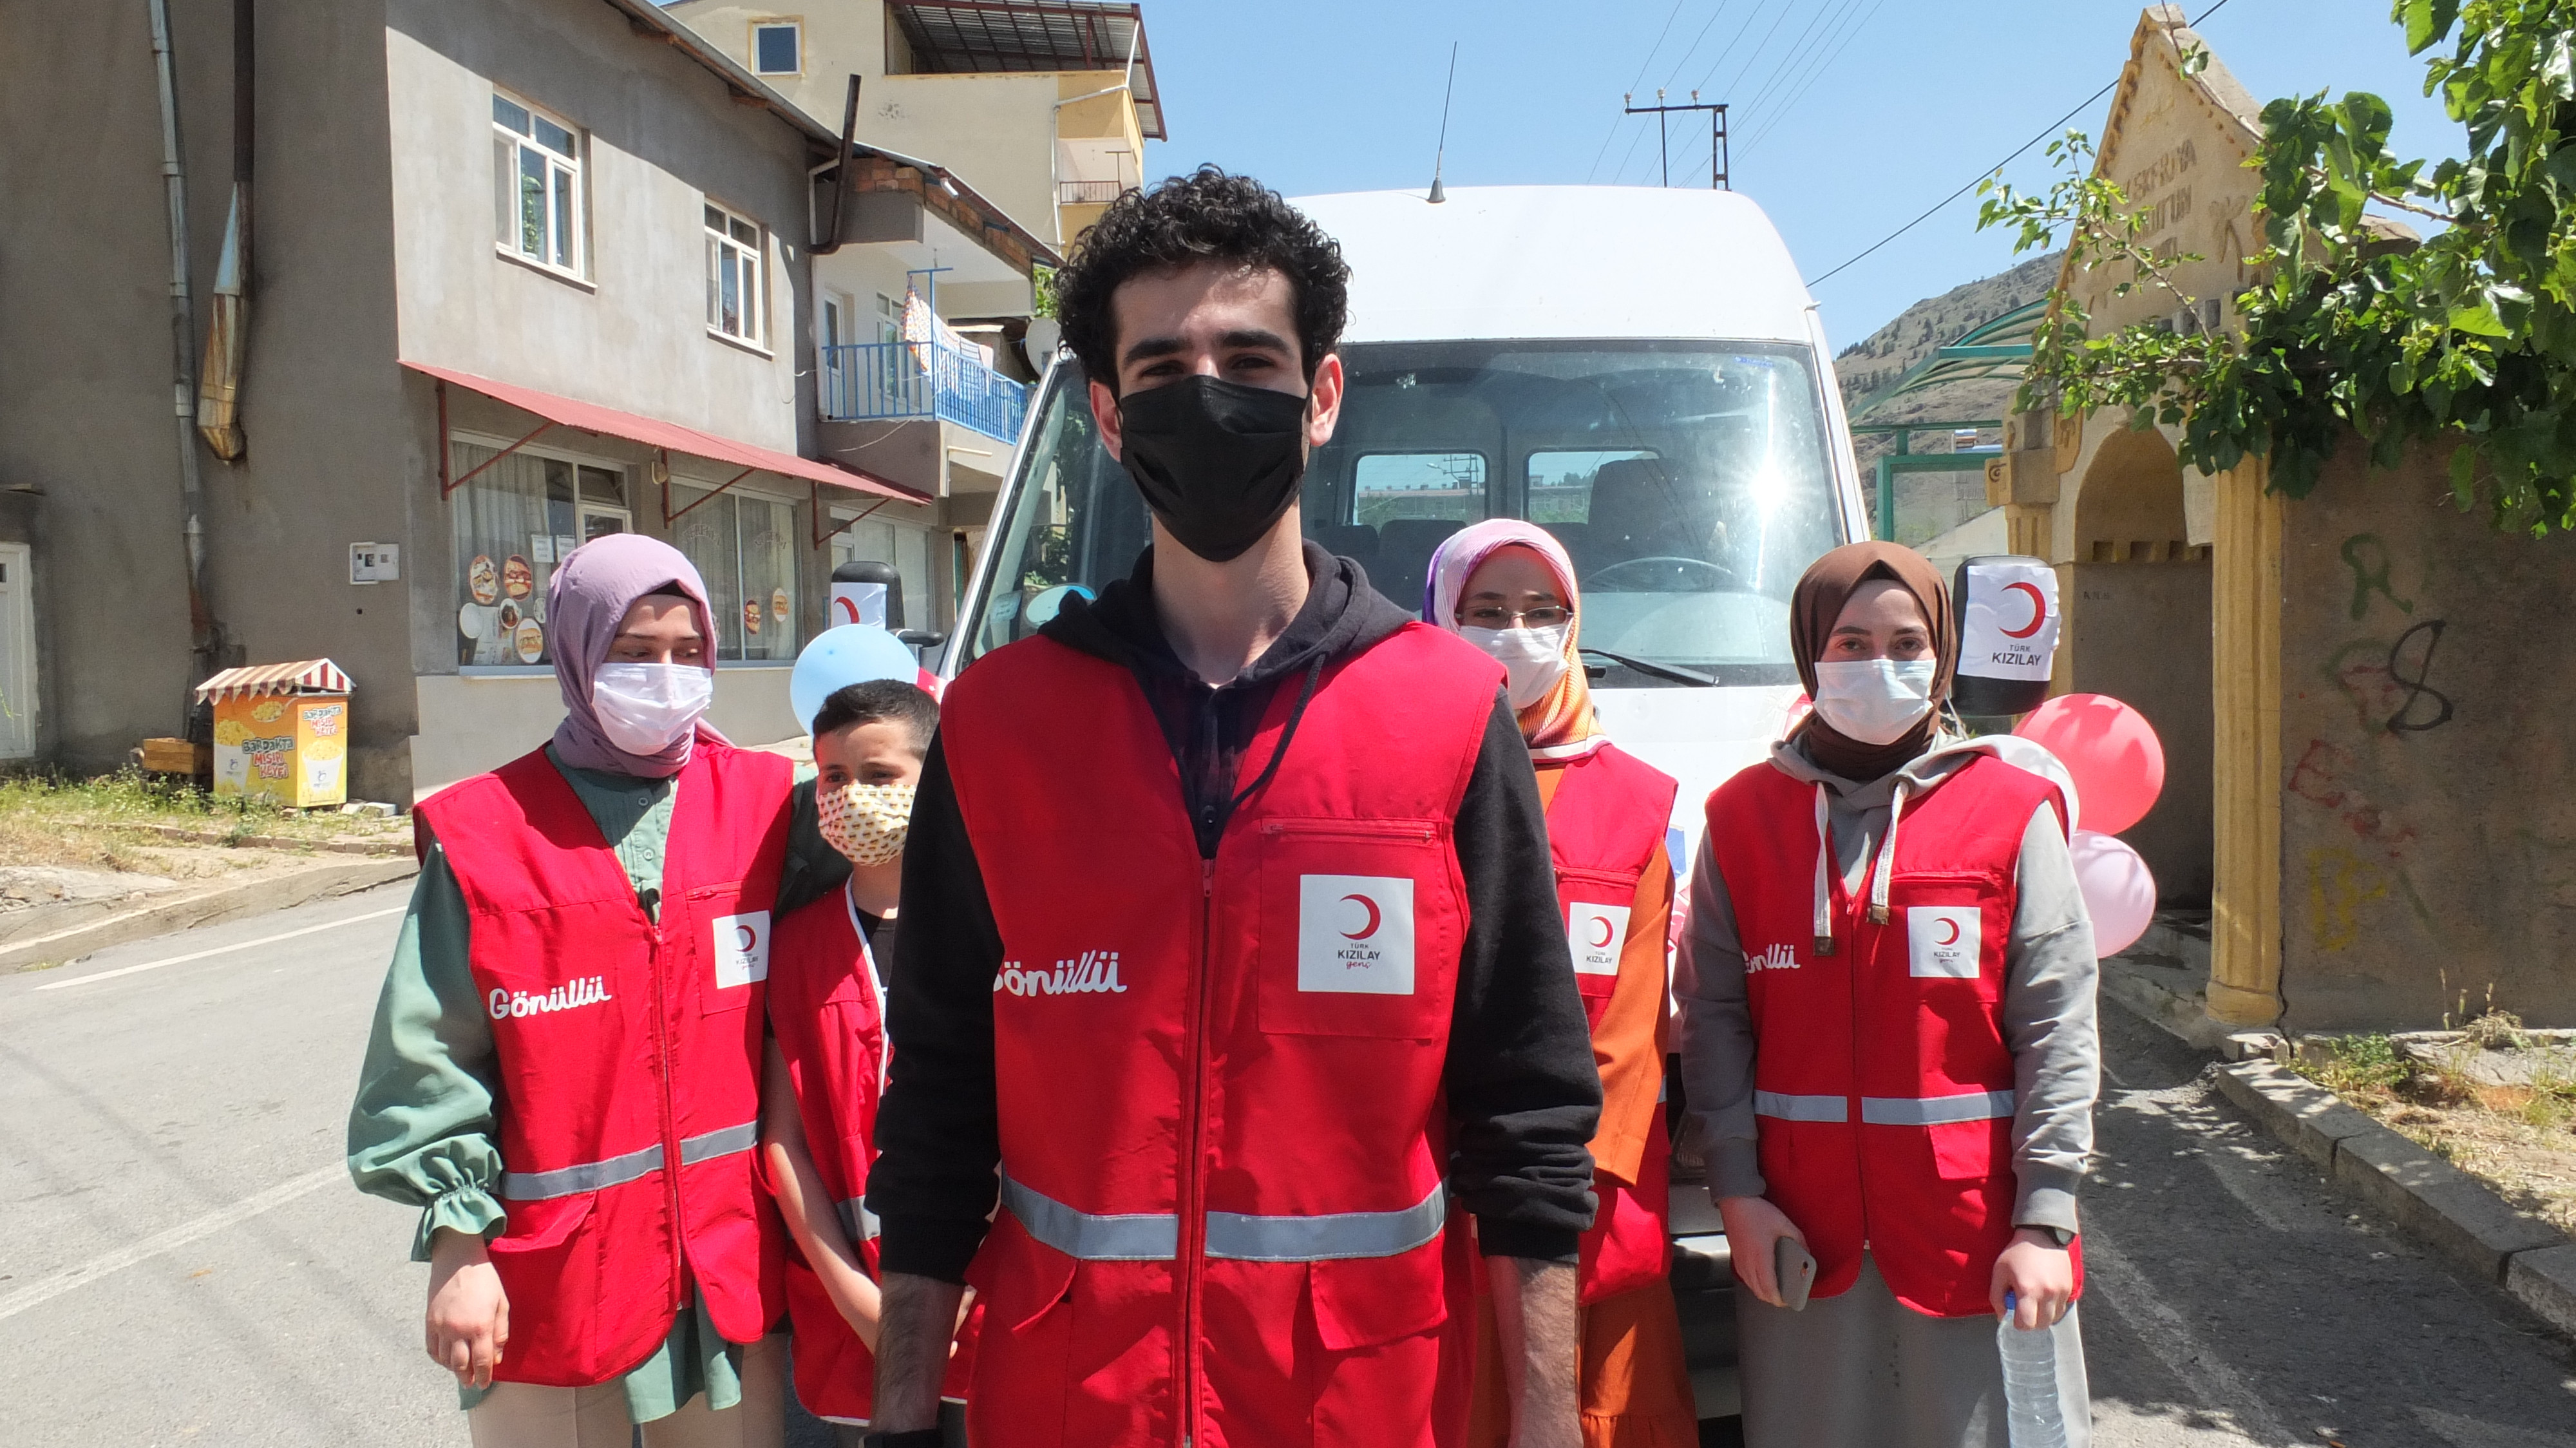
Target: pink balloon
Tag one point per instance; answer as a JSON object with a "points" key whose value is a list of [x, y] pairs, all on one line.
{"points": [[2118, 764], [2119, 893]]}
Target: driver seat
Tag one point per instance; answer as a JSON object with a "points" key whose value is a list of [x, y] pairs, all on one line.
{"points": [[1633, 509]]}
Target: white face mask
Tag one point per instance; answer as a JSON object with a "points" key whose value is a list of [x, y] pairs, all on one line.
{"points": [[1533, 659], [1874, 701], [642, 708]]}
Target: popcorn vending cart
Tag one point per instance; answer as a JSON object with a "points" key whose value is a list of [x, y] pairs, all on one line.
{"points": [[281, 732]]}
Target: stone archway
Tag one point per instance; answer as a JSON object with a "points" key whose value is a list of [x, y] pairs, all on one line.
{"points": [[2138, 616]]}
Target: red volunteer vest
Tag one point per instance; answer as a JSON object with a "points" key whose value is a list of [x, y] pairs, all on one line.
{"points": [[628, 1057], [1882, 1082], [829, 1019], [1222, 1127], [1607, 816]]}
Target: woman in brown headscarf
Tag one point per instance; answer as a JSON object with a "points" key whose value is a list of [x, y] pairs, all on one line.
{"points": [[1888, 1041]]}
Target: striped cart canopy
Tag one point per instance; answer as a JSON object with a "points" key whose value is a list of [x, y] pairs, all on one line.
{"points": [[304, 676]]}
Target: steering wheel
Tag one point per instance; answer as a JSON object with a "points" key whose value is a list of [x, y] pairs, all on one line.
{"points": [[1610, 579]]}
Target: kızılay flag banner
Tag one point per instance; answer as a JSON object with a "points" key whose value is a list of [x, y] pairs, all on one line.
{"points": [[2010, 626]]}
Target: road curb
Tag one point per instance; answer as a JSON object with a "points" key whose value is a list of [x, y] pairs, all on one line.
{"points": [[213, 906], [2453, 1212]]}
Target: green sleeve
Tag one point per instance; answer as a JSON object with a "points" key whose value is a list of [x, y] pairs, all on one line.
{"points": [[421, 1130]]}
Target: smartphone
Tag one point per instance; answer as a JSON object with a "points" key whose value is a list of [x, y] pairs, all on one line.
{"points": [[1796, 1273]]}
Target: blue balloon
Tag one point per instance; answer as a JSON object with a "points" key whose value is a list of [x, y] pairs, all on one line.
{"points": [[839, 657]]}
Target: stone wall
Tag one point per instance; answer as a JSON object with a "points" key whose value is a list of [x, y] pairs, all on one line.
{"points": [[2427, 737]]}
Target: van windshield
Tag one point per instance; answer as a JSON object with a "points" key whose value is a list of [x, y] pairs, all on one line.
{"points": [[1689, 481]]}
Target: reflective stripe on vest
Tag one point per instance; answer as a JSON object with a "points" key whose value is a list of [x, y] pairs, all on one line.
{"points": [[1138, 1237], [1785, 1107], [860, 1223], [1886, 1110], [1234, 1236], [596, 1176], [1935, 1110], [1336, 1235]]}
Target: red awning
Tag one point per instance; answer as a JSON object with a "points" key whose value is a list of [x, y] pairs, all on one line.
{"points": [[653, 432]]}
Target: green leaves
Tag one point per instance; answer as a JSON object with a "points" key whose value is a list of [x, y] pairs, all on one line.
{"points": [[2350, 332]]}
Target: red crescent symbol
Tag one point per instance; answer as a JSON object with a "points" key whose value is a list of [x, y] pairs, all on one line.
{"points": [[2038, 610], [750, 937], [1365, 931], [849, 608], [1604, 922], [1953, 937]]}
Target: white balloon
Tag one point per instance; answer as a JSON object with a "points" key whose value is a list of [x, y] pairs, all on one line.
{"points": [[2119, 892]]}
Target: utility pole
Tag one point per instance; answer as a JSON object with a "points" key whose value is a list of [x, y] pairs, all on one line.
{"points": [[1717, 147]]}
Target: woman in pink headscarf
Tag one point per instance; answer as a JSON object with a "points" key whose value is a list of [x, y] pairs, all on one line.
{"points": [[565, 1068], [1508, 588]]}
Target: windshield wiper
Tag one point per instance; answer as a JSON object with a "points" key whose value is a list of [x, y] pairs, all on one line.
{"points": [[1674, 672]]}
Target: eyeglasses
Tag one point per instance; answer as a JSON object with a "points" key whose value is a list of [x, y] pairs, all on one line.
{"points": [[1500, 618]]}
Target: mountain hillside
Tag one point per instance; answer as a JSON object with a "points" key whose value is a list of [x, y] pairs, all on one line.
{"points": [[1877, 361]]}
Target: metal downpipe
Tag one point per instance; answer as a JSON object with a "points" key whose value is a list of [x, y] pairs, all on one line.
{"points": [[183, 337]]}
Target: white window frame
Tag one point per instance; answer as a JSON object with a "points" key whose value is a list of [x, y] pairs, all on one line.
{"points": [[565, 246], [746, 264], [795, 23]]}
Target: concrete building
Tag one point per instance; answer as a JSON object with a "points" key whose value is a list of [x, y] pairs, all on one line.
{"points": [[2364, 736], [1045, 106], [521, 272]]}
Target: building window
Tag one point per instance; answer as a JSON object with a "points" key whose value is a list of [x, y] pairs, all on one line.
{"points": [[889, 319], [904, 547], [514, 522], [536, 185], [734, 252], [778, 47], [745, 549]]}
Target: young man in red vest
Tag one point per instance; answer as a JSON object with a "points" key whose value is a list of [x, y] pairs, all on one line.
{"points": [[1230, 939]]}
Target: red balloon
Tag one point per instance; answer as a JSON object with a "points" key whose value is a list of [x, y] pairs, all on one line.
{"points": [[2110, 749]]}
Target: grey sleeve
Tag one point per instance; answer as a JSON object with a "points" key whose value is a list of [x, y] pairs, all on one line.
{"points": [[1717, 1035], [2050, 978]]}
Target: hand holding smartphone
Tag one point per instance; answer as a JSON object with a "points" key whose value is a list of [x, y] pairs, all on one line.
{"points": [[1794, 1271]]}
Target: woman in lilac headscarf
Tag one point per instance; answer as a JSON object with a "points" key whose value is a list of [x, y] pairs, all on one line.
{"points": [[565, 1064]]}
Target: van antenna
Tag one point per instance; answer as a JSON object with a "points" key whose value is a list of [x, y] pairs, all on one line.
{"points": [[1437, 195]]}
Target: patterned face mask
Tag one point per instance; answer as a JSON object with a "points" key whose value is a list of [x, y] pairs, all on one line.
{"points": [[866, 822]]}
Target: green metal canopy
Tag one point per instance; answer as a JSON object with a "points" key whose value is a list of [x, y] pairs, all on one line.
{"points": [[1997, 349]]}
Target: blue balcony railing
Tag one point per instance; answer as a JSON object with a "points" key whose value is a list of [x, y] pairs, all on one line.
{"points": [[880, 381]]}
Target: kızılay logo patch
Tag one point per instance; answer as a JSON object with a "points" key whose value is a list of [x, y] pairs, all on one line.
{"points": [[1596, 934], [1355, 934], [1941, 941]]}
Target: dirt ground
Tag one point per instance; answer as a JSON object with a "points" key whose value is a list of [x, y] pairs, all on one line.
{"points": [[2517, 1136]]}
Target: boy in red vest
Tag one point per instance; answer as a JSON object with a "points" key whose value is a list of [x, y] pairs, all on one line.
{"points": [[827, 1054], [1230, 954]]}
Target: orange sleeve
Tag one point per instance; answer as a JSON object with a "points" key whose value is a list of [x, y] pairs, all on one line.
{"points": [[1629, 1045]]}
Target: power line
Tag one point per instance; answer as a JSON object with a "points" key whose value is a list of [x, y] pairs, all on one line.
{"points": [[1673, 82], [1796, 55], [1799, 93], [1763, 44], [1642, 67], [2044, 134]]}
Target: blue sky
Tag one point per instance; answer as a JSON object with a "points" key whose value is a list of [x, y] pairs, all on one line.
{"points": [[1887, 106]]}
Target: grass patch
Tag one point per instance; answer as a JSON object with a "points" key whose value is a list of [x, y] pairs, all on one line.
{"points": [[2518, 1138], [115, 822]]}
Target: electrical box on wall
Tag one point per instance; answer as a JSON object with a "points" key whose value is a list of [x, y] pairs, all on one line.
{"points": [[375, 562]]}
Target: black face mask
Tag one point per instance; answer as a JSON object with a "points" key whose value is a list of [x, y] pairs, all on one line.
{"points": [[1217, 461]]}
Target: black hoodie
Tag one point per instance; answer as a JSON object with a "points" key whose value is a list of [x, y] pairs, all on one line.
{"points": [[1522, 1090]]}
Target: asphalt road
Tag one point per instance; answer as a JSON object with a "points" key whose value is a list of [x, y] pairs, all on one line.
{"points": [[182, 1261]]}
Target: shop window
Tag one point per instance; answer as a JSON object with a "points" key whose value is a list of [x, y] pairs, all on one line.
{"points": [[734, 253], [536, 180], [514, 522], [745, 547]]}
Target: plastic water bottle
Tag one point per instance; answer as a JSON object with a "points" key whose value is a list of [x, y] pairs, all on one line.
{"points": [[2031, 1417]]}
